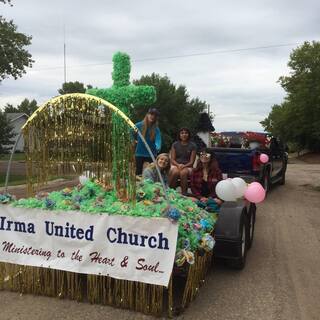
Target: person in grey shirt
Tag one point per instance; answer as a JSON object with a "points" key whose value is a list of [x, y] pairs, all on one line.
{"points": [[150, 172], [183, 155]]}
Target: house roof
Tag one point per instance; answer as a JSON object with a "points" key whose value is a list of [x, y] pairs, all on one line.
{"points": [[205, 124], [15, 116]]}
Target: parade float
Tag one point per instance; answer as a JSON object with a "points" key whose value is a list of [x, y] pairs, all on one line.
{"points": [[105, 238]]}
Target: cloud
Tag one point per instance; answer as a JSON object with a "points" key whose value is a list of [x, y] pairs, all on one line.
{"points": [[240, 86]]}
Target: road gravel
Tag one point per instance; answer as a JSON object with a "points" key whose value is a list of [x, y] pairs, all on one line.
{"points": [[280, 281]]}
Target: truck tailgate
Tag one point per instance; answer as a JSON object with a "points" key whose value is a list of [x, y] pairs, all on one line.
{"points": [[234, 161]]}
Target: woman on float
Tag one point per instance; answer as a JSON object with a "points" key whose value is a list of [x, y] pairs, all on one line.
{"points": [[151, 132], [150, 172], [205, 177], [183, 155]]}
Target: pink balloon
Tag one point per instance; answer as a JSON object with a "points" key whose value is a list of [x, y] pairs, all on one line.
{"points": [[255, 183], [264, 158], [255, 192]]}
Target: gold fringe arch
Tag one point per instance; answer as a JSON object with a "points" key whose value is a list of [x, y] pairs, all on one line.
{"points": [[76, 133]]}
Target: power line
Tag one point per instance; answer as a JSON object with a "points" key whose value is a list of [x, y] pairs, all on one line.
{"points": [[176, 56], [216, 52]]}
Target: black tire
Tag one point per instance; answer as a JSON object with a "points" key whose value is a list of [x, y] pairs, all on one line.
{"points": [[252, 221], [266, 181], [240, 262], [283, 175]]}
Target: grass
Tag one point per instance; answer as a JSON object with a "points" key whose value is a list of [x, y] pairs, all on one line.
{"points": [[14, 179], [16, 157]]}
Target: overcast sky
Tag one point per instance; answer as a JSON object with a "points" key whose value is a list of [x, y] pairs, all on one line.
{"points": [[240, 85]]}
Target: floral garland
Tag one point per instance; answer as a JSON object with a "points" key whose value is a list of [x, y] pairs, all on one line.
{"points": [[250, 136], [195, 224], [219, 140]]}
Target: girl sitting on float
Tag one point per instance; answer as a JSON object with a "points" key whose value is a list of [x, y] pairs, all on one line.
{"points": [[183, 155], [204, 179], [150, 172]]}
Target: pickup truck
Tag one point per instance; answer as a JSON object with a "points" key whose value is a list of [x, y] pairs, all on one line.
{"points": [[235, 161], [235, 227]]}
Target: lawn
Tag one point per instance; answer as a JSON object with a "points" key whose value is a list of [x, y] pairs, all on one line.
{"points": [[16, 157], [14, 179]]}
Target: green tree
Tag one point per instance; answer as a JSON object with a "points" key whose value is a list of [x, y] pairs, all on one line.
{"points": [[74, 87], [275, 122], [176, 108], [14, 58], [6, 134], [26, 106], [297, 119], [9, 108]]}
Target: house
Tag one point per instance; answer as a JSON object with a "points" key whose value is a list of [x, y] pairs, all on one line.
{"points": [[17, 120], [204, 128]]}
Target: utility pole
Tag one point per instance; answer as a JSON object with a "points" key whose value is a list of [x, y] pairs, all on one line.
{"points": [[64, 54]]}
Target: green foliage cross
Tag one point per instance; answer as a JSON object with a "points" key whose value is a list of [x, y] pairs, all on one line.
{"points": [[123, 94]]}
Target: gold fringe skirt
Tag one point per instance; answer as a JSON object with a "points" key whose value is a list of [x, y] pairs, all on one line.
{"points": [[146, 298]]}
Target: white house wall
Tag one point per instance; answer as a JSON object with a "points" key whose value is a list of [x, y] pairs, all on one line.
{"points": [[17, 125]]}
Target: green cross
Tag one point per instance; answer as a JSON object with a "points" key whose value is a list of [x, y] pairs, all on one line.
{"points": [[123, 94]]}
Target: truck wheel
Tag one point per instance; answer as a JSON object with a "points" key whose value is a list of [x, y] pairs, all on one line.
{"points": [[252, 221], [266, 181], [241, 261], [283, 175]]}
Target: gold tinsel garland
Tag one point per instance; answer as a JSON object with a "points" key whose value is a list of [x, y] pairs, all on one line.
{"points": [[74, 133]]}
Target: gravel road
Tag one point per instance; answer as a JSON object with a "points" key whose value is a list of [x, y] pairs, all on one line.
{"points": [[281, 279]]}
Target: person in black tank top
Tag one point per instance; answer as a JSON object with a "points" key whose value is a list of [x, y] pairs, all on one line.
{"points": [[183, 155]]}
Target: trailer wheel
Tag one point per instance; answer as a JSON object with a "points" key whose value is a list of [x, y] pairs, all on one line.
{"points": [[240, 262], [252, 221]]}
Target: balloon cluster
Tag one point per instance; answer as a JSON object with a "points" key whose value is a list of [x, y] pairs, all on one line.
{"points": [[233, 189]]}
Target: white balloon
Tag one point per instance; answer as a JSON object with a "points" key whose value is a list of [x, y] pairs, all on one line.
{"points": [[240, 186], [86, 175], [83, 180], [226, 191]]}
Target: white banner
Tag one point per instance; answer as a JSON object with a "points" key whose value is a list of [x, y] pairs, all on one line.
{"points": [[130, 248]]}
